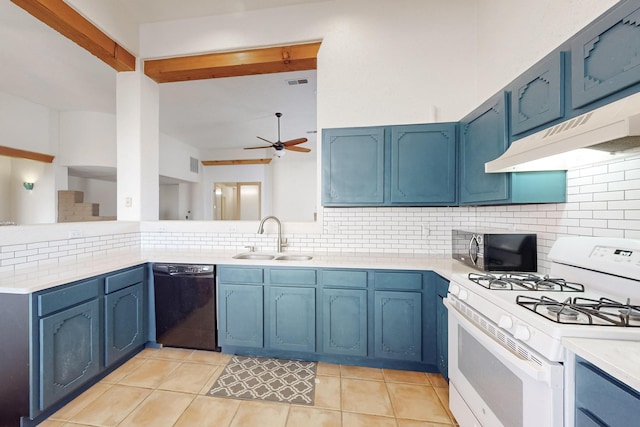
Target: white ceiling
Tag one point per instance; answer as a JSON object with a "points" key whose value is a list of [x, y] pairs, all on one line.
{"points": [[167, 10], [40, 65]]}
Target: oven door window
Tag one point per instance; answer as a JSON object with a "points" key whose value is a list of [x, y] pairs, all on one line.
{"points": [[499, 387]]}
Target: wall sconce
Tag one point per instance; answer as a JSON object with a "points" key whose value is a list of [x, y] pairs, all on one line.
{"points": [[28, 185]]}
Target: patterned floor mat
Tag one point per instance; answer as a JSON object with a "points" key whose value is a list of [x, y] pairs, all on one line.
{"points": [[260, 378]]}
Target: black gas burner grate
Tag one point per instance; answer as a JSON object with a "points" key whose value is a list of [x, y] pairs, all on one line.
{"points": [[524, 282], [583, 311]]}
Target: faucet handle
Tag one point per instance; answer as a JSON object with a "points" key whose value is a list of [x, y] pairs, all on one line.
{"points": [[251, 248], [284, 242]]}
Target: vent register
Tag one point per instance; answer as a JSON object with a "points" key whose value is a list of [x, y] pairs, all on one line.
{"points": [[194, 165]]}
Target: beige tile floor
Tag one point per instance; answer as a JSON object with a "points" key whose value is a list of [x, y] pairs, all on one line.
{"points": [[167, 387]]}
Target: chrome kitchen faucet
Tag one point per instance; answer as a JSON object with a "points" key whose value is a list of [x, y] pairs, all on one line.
{"points": [[281, 242]]}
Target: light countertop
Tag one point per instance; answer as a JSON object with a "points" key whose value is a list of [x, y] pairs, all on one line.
{"points": [[25, 281], [620, 359]]}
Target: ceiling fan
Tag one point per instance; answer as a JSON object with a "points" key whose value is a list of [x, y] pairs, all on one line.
{"points": [[280, 146]]}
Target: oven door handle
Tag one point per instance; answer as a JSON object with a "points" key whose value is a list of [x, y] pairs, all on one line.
{"points": [[531, 369]]}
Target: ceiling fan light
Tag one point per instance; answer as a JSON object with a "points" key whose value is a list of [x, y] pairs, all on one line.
{"points": [[280, 153]]}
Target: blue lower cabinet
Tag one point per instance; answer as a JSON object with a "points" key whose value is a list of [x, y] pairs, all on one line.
{"points": [[292, 318], [241, 315], [124, 322], [603, 400], [344, 321], [398, 325], [69, 351]]}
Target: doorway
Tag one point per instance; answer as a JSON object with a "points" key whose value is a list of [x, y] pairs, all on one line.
{"points": [[237, 201]]}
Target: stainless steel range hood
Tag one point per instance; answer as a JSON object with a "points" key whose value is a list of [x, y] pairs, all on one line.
{"points": [[603, 134]]}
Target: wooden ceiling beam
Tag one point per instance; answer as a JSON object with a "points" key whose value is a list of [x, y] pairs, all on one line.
{"points": [[236, 162], [279, 59], [64, 19], [23, 154]]}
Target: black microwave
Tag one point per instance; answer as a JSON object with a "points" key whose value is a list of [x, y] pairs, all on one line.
{"points": [[496, 250]]}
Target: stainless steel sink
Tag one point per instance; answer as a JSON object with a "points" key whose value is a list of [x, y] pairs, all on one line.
{"points": [[252, 255], [265, 257], [293, 258]]}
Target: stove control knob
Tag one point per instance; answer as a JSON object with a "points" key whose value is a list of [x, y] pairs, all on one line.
{"points": [[463, 295], [522, 333], [454, 289], [505, 322]]}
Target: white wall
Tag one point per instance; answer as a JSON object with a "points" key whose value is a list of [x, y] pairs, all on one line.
{"points": [[25, 125], [294, 187], [514, 34], [380, 62], [175, 157], [87, 138], [5, 189], [169, 196]]}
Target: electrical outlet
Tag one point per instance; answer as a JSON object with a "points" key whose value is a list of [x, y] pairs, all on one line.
{"points": [[128, 202], [74, 234], [333, 228]]}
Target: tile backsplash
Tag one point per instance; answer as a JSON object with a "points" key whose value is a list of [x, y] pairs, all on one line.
{"points": [[602, 200]]}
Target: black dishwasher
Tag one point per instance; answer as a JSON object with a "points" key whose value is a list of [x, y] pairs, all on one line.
{"points": [[185, 302]]}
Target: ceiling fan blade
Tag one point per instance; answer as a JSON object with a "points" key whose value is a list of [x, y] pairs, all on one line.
{"points": [[300, 149], [265, 140], [294, 142], [255, 148]]}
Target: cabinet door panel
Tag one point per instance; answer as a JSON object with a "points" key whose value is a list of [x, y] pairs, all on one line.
{"points": [[241, 315], [605, 58], [124, 322], [537, 95], [69, 351], [344, 321], [353, 166], [398, 325], [292, 318], [604, 397], [483, 137], [423, 164]]}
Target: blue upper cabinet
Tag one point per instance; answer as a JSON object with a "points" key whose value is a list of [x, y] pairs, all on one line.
{"points": [[423, 164], [537, 95], [605, 57], [483, 137], [412, 165], [353, 166]]}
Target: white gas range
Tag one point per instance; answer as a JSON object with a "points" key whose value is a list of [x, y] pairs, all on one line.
{"points": [[506, 330]]}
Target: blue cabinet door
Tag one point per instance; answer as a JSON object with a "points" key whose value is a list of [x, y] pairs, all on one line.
{"points": [[605, 57], [537, 95], [69, 351], [483, 137], [124, 315], [292, 318], [423, 164], [344, 321], [398, 325], [598, 396], [353, 166], [442, 324], [240, 314]]}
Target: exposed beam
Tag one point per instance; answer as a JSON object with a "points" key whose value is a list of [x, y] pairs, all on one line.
{"points": [[232, 64], [64, 19], [236, 162], [22, 154]]}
